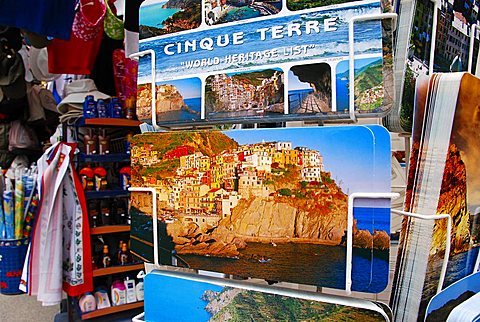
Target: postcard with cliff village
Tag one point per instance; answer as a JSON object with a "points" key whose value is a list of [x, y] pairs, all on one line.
{"points": [[270, 204], [190, 300]]}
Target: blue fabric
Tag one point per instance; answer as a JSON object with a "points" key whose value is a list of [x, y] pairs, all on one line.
{"points": [[46, 17]]}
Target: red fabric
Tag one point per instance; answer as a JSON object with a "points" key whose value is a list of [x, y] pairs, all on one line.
{"points": [[74, 56], [77, 55]]}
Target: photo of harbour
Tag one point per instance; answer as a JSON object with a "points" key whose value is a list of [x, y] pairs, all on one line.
{"points": [[159, 17], [253, 93], [262, 203], [309, 89], [177, 100], [222, 11], [191, 300]]}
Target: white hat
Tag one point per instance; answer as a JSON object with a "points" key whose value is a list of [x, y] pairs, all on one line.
{"points": [[38, 61], [75, 94]]}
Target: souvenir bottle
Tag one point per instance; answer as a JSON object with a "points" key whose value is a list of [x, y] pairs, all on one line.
{"points": [[106, 260]]}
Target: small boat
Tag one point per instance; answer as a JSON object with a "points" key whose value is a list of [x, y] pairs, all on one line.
{"points": [[273, 243], [264, 260]]}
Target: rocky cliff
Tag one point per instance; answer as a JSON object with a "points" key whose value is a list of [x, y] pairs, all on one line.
{"points": [[320, 218], [167, 104], [453, 201]]}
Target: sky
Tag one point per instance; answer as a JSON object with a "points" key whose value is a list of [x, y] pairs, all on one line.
{"points": [[189, 88], [348, 152], [359, 63]]}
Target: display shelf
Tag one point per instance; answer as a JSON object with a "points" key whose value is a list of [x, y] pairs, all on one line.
{"points": [[109, 229], [111, 157], [106, 194], [111, 310], [110, 122], [117, 269]]}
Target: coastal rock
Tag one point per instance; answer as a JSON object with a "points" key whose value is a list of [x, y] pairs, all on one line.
{"points": [[381, 240], [258, 217], [222, 300], [218, 249], [453, 201], [168, 99], [363, 239]]}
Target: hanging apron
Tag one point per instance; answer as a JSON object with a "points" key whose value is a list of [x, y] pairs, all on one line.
{"points": [[60, 254]]}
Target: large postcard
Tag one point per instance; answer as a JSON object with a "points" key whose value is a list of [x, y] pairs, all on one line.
{"points": [[443, 179], [259, 61], [266, 203], [188, 298]]}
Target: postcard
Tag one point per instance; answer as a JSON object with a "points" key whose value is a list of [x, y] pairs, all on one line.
{"points": [[260, 61], [188, 298], [265, 203]]}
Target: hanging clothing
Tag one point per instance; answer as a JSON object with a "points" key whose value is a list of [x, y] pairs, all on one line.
{"points": [[132, 12], [46, 17], [77, 55], [59, 256]]}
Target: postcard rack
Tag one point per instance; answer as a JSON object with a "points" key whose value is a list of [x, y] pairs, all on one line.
{"points": [[326, 298], [352, 115]]}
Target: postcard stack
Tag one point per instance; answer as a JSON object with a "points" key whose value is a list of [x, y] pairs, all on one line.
{"points": [[415, 37], [247, 61], [443, 179]]}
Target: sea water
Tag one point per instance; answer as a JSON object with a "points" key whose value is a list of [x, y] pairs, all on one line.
{"points": [[154, 15], [193, 104], [321, 265]]}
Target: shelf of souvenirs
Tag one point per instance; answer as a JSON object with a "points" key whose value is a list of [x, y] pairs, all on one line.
{"points": [[109, 229], [117, 269], [110, 122], [106, 194], [111, 310], [111, 157]]}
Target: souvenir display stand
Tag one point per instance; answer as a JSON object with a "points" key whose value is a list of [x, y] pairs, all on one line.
{"points": [[243, 159], [188, 258], [115, 229]]}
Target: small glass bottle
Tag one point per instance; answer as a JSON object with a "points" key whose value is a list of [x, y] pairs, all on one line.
{"points": [[106, 260], [124, 255]]}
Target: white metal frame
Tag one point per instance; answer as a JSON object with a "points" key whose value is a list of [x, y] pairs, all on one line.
{"points": [[446, 257], [351, 53], [153, 71], [473, 29], [305, 295], [351, 200], [154, 215]]}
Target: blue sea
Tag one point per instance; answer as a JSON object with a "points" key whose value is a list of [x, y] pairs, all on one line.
{"points": [[153, 15], [240, 13], [296, 97], [183, 115], [178, 293], [333, 44], [309, 264], [342, 94]]}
